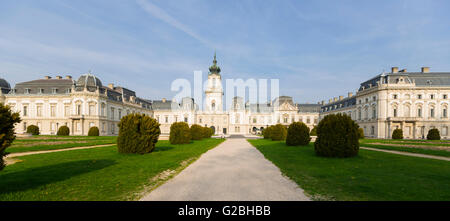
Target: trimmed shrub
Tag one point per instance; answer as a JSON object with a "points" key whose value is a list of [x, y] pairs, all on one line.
{"points": [[33, 130], [267, 132], [138, 133], [313, 131], [207, 132], [433, 134], [278, 132], [180, 133], [63, 131], [337, 136], [297, 134], [93, 131], [360, 133], [397, 134], [7, 136], [197, 132]]}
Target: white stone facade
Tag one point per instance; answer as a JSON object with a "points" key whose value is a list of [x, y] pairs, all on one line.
{"points": [[412, 101]]}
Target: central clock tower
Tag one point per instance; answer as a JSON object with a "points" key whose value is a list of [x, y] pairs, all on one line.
{"points": [[214, 90]]}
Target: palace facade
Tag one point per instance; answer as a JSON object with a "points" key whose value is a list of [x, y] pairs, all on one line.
{"points": [[83, 103], [412, 101]]}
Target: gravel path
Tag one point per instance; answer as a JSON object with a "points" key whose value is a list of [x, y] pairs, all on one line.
{"points": [[408, 154], [233, 171]]}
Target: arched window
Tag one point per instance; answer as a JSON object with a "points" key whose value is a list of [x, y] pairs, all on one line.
{"points": [[444, 111], [394, 111], [407, 111], [213, 105], [419, 111], [374, 112]]}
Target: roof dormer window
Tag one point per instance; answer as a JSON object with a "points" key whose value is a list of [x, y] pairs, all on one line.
{"points": [[54, 90], [41, 90], [27, 90]]}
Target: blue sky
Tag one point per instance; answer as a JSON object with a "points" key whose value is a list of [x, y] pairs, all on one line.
{"points": [[318, 49]]}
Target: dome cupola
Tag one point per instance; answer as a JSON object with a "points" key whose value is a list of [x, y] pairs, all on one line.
{"points": [[89, 81]]}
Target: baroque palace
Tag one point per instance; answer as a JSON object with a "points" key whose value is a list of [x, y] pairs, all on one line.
{"points": [[412, 101], [83, 103]]}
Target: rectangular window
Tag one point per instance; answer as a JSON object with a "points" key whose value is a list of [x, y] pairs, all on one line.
{"points": [[112, 113], [419, 96], [432, 112], [395, 112], [432, 96], [167, 119], [372, 130], [91, 110], [444, 113], [419, 112], [66, 111], [24, 126], [186, 119], [39, 111], [395, 96], [444, 96], [53, 111], [78, 109], [25, 111]]}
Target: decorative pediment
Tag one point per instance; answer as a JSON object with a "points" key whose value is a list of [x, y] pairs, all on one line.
{"points": [[286, 106]]}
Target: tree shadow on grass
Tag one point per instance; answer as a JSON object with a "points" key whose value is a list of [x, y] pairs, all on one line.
{"points": [[39, 176], [163, 148]]}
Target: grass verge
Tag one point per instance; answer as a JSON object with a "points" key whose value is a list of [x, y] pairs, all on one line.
{"points": [[94, 174], [369, 176]]}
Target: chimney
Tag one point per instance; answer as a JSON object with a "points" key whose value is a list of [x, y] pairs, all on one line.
{"points": [[341, 97], [111, 86], [394, 70], [69, 77], [47, 77], [425, 70], [350, 94], [164, 100], [323, 102], [58, 77]]}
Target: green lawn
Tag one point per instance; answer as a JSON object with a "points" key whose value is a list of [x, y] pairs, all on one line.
{"points": [[369, 176], [444, 153], [37, 143], [94, 174]]}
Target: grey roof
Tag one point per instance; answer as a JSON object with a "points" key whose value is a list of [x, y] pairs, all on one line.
{"points": [[308, 108], [259, 108], [431, 79], [344, 103], [45, 86], [162, 105]]}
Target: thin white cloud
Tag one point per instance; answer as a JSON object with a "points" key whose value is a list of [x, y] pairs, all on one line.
{"points": [[165, 17]]}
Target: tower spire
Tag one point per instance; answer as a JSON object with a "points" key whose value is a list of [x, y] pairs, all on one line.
{"points": [[214, 69]]}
